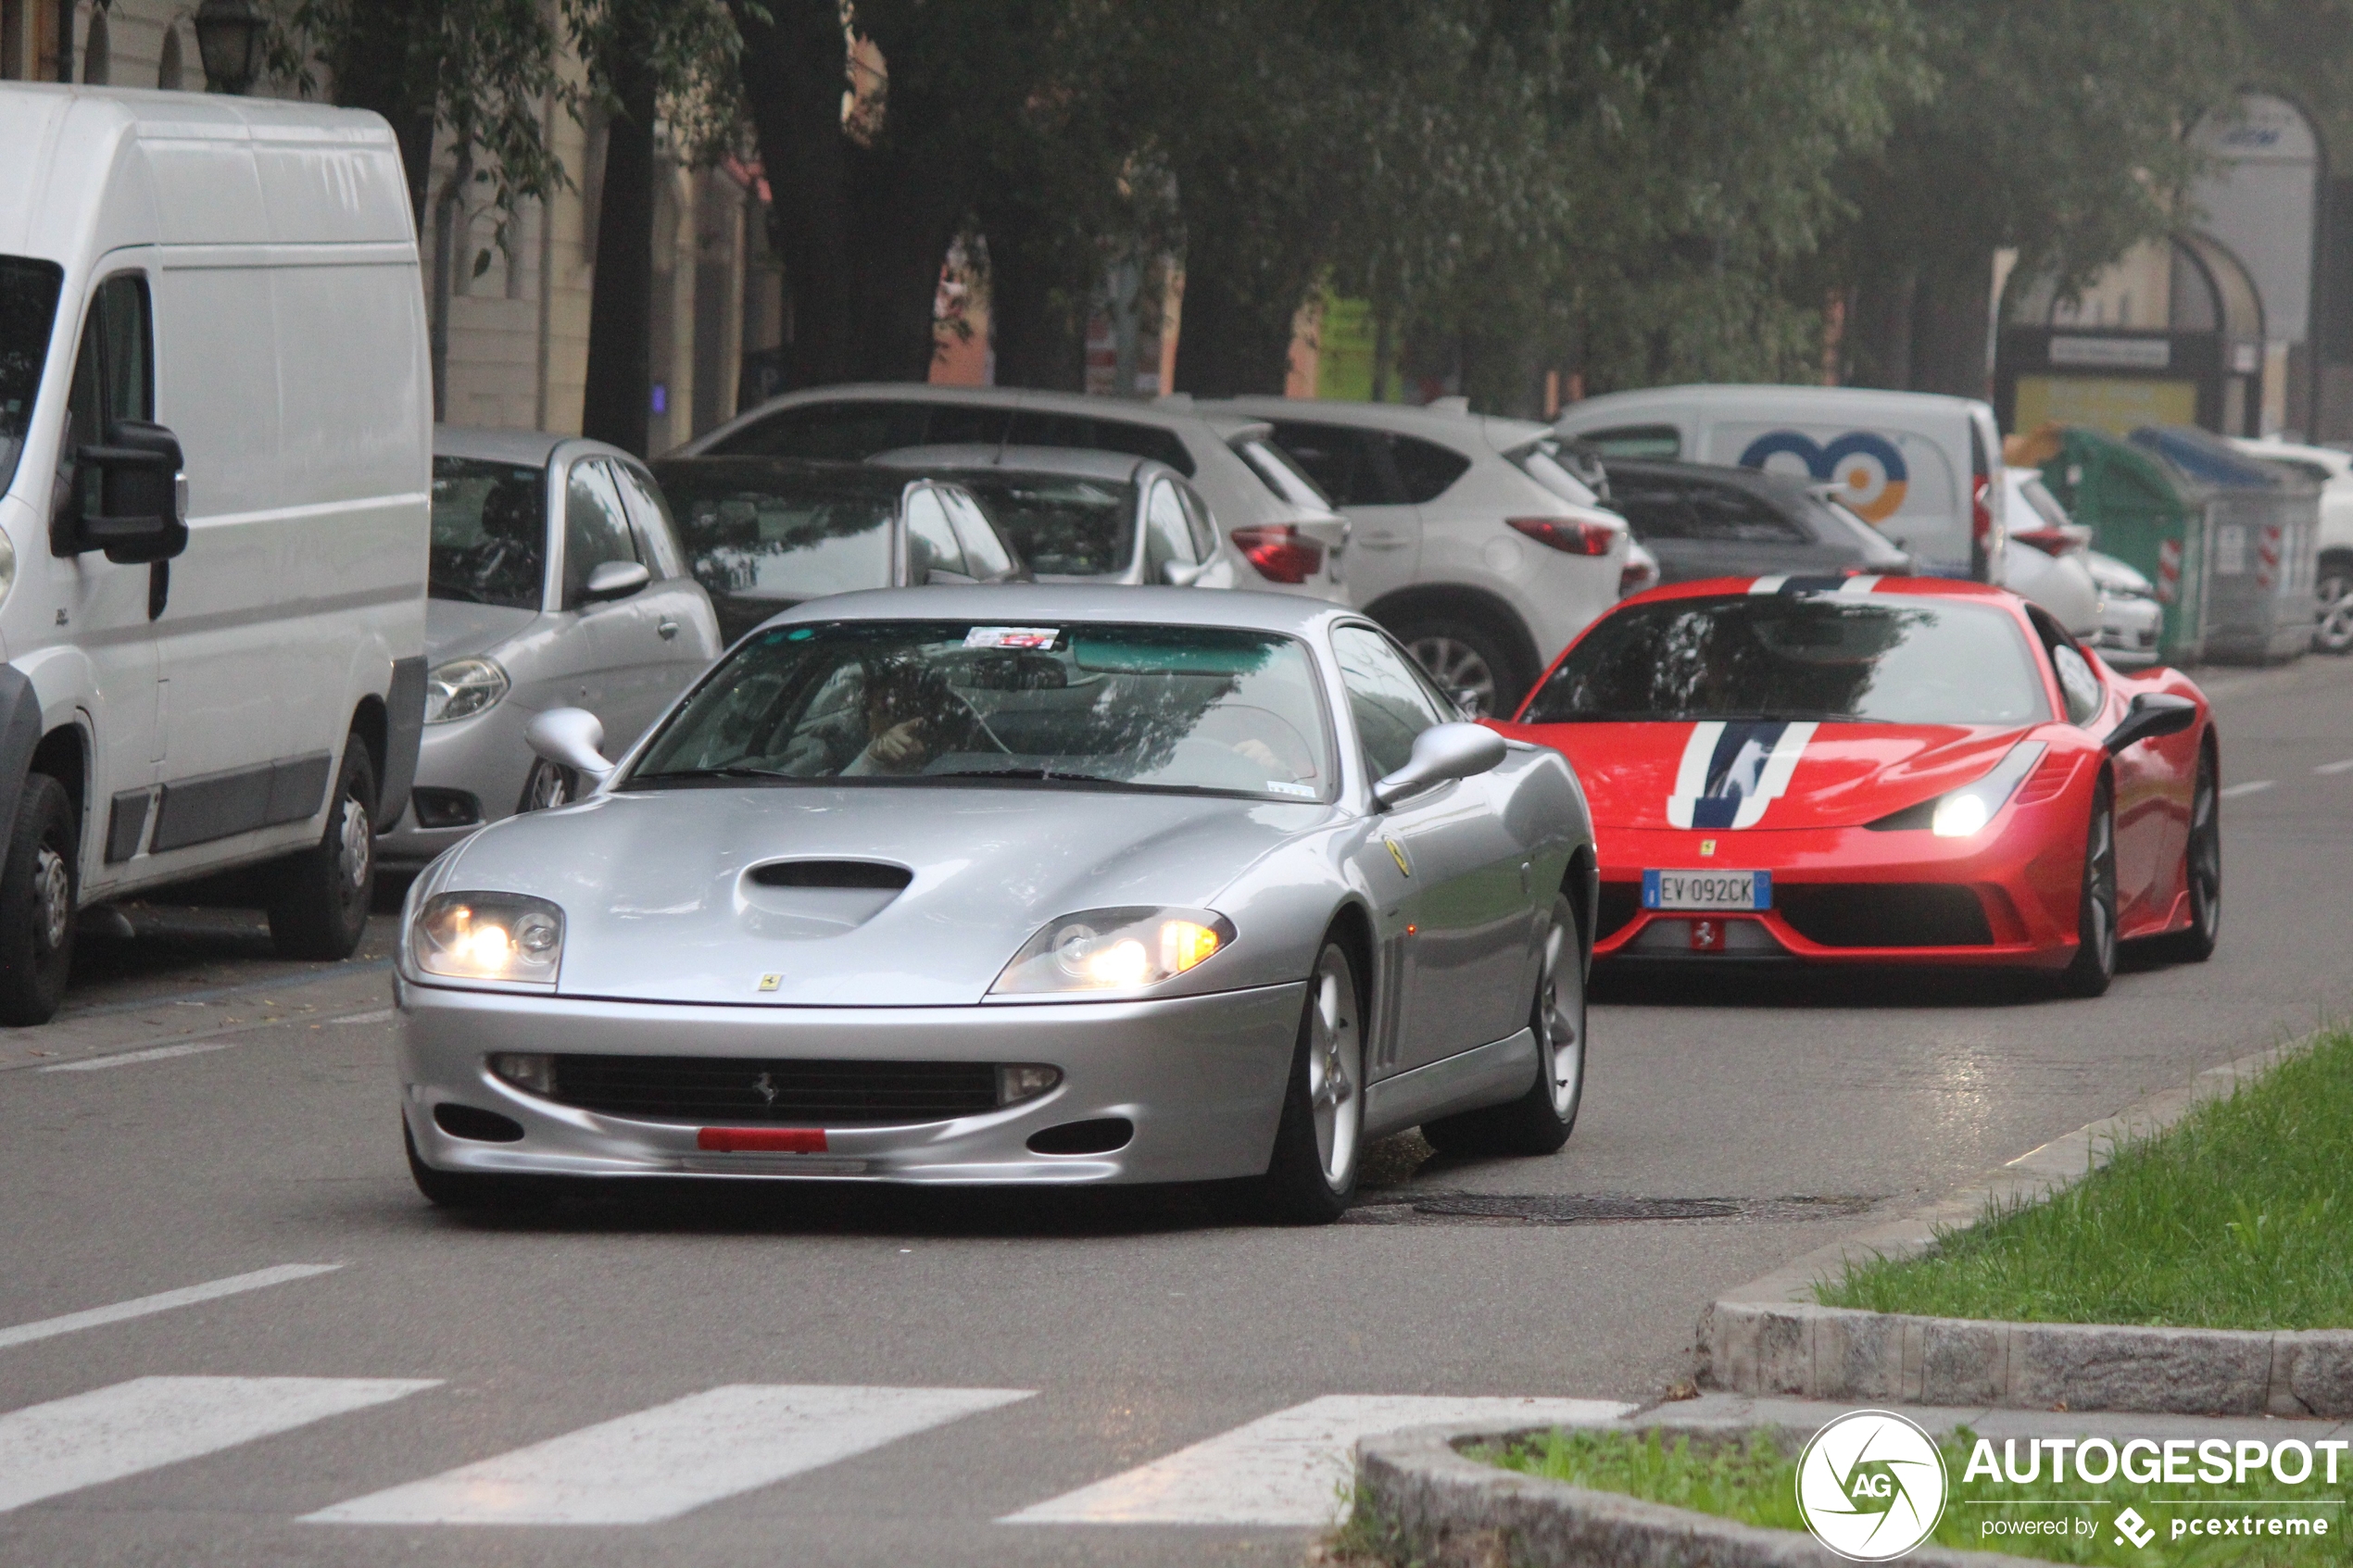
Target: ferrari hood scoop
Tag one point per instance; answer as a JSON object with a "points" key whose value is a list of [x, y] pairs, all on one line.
{"points": [[806, 899]]}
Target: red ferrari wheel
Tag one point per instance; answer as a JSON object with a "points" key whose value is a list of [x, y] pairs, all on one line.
{"points": [[2202, 869], [2094, 963]]}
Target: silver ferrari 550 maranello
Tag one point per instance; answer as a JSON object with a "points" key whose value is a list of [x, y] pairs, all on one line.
{"points": [[1011, 884]]}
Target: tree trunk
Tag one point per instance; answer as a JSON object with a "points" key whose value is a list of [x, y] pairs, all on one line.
{"points": [[372, 71], [1236, 338], [1879, 332], [614, 407], [1037, 309], [793, 65], [1951, 319]]}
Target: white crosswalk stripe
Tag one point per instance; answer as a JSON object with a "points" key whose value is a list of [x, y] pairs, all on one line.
{"points": [[661, 1463], [162, 1302], [151, 1422], [1288, 1468]]}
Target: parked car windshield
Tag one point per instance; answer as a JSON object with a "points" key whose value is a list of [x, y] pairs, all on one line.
{"points": [[489, 532], [1154, 707], [1791, 657], [28, 310], [1063, 525], [781, 538]]}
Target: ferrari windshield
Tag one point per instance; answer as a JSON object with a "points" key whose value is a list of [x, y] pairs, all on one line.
{"points": [[27, 309], [1161, 708], [1830, 657]]}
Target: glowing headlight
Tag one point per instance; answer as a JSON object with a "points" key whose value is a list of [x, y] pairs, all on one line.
{"points": [[1965, 811], [461, 688], [1114, 950], [499, 937]]}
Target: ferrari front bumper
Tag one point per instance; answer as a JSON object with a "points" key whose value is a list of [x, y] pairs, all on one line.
{"points": [[1201, 1080]]}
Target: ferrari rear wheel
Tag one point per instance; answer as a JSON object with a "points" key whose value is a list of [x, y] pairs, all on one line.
{"points": [[2094, 963], [1540, 1120], [2202, 870], [1311, 1179]]}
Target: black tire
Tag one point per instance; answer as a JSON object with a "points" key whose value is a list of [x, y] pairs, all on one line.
{"points": [[2094, 963], [319, 899], [39, 885], [546, 787], [2202, 868], [2333, 591], [463, 1190], [1468, 659], [1311, 1177], [1540, 1120]]}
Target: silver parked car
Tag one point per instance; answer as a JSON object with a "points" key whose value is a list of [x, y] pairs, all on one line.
{"points": [[1023, 884], [764, 533], [556, 581], [1079, 516]]}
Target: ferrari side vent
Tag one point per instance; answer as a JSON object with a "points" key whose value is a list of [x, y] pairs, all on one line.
{"points": [[1620, 901], [864, 875], [1889, 914], [2047, 782]]}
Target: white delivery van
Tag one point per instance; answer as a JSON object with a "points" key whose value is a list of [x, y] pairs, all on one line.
{"points": [[1925, 470], [215, 480]]}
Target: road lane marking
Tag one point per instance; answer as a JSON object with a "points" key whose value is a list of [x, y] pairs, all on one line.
{"points": [[151, 1422], [661, 1463], [127, 1058], [1288, 1468], [2344, 767], [162, 1302], [2252, 787]]}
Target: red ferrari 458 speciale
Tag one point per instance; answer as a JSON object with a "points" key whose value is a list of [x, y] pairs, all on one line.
{"points": [[1882, 770]]}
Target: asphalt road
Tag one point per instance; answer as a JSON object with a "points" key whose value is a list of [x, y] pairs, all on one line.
{"points": [[871, 1378]]}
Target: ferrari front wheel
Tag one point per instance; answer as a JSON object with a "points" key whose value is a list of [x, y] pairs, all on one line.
{"points": [[1311, 1179], [2202, 869], [2094, 963]]}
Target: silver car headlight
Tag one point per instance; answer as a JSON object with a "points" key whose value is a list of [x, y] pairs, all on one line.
{"points": [[461, 688], [1113, 950], [506, 938], [1965, 811]]}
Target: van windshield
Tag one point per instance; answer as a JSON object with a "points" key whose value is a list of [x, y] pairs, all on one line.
{"points": [[28, 308]]}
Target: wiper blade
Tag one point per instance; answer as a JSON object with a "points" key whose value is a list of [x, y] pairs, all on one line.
{"points": [[1043, 775], [734, 770]]}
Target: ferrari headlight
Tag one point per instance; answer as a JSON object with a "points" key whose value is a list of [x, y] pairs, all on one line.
{"points": [[507, 937], [1965, 811], [1114, 950], [461, 688]]}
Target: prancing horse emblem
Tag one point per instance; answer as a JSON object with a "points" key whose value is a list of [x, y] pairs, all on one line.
{"points": [[767, 1087]]}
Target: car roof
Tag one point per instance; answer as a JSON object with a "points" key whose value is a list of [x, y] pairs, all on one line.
{"points": [[1025, 604], [1066, 462], [511, 445], [1779, 485], [1829, 401], [1860, 585], [794, 473], [1168, 413], [1416, 419]]}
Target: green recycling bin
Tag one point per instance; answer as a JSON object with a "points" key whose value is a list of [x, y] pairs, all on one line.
{"points": [[2146, 513]]}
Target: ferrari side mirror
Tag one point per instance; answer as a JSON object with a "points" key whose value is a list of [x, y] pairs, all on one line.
{"points": [[2151, 715]]}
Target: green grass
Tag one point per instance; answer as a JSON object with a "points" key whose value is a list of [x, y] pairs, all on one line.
{"points": [[1751, 1480], [2239, 1216]]}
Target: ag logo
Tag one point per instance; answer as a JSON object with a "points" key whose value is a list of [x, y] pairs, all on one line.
{"points": [[1867, 469], [1870, 1485]]}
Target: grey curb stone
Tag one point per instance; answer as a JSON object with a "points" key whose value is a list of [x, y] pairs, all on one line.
{"points": [[1769, 1337], [1455, 1512]]}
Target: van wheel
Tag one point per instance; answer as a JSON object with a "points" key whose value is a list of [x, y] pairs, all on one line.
{"points": [[319, 898], [38, 885]]}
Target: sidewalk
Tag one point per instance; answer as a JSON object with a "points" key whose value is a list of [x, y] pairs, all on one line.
{"points": [[1739, 1412]]}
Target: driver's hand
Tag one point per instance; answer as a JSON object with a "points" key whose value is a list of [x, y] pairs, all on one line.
{"points": [[901, 746]]}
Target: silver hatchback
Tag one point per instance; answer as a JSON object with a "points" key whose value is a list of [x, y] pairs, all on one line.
{"points": [[557, 581]]}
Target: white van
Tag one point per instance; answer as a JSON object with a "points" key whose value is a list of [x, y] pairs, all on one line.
{"points": [[215, 474], [1926, 469]]}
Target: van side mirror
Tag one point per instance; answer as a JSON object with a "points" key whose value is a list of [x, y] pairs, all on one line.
{"points": [[571, 737], [141, 485], [2151, 715], [1441, 753]]}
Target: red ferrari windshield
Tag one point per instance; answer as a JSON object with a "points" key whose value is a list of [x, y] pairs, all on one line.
{"points": [[1827, 658]]}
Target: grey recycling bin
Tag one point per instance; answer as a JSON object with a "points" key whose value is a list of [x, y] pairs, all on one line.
{"points": [[2262, 537]]}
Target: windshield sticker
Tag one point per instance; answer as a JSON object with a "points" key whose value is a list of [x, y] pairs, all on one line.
{"points": [[1012, 636], [1285, 786]]}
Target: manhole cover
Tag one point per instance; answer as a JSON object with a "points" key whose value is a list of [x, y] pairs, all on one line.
{"points": [[1580, 1209]]}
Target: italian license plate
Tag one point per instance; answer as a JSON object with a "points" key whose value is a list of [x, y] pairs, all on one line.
{"points": [[1707, 890]]}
